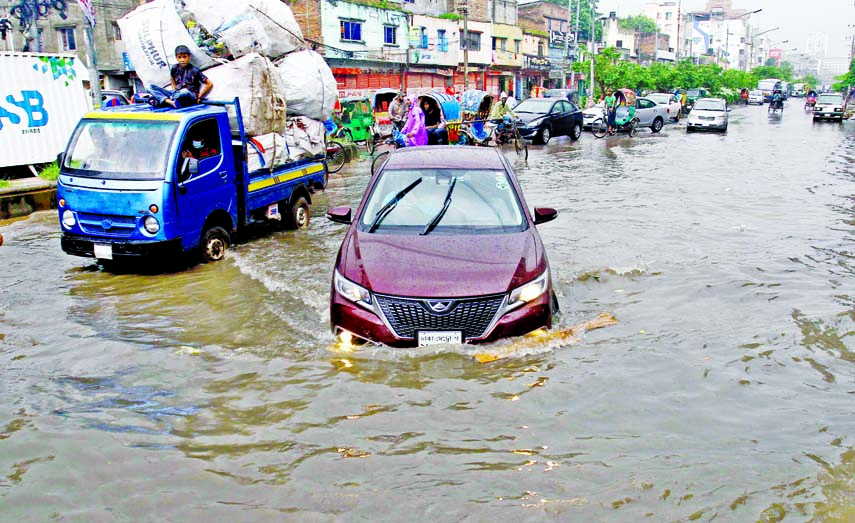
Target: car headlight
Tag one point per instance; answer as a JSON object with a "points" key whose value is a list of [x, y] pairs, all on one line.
{"points": [[68, 219], [528, 292], [351, 291], [151, 225]]}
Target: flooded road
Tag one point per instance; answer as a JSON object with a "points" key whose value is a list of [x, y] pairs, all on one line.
{"points": [[724, 393]]}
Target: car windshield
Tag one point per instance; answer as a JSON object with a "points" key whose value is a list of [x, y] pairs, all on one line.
{"points": [[659, 98], [120, 149], [694, 92], [442, 201], [709, 105], [756, 93], [830, 99], [555, 93], [534, 105]]}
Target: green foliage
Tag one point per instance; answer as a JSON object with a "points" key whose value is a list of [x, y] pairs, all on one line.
{"points": [[49, 172], [611, 71], [450, 16], [846, 80], [773, 71], [639, 23], [5, 183], [809, 80]]}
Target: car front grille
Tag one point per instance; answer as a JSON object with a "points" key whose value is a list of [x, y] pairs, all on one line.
{"points": [[472, 316], [107, 225]]}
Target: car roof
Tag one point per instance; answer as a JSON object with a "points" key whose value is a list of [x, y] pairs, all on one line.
{"points": [[448, 156]]}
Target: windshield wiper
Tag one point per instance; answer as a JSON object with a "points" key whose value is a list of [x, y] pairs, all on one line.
{"points": [[387, 208], [438, 218]]}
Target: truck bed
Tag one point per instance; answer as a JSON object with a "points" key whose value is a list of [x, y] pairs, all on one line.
{"points": [[266, 187]]}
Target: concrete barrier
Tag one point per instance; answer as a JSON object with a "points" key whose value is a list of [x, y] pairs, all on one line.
{"points": [[26, 196]]}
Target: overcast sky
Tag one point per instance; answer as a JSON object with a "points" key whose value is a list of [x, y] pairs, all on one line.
{"points": [[796, 20]]}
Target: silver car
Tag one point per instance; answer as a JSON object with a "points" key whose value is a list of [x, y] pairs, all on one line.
{"points": [[647, 112], [708, 113]]}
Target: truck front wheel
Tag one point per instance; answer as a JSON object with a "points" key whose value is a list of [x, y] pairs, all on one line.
{"points": [[298, 215], [215, 243]]}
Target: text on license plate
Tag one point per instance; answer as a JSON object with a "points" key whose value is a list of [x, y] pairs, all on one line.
{"points": [[103, 252], [439, 337]]}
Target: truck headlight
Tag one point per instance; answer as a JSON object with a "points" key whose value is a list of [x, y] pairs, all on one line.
{"points": [[528, 292], [68, 219], [152, 226], [351, 291]]}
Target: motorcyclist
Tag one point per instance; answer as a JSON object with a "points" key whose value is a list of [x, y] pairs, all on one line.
{"points": [[778, 99]]}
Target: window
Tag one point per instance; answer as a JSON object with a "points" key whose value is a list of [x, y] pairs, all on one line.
{"points": [[40, 40], [66, 39], [351, 30], [117, 33], [202, 140], [474, 41], [390, 34], [619, 44], [441, 41], [423, 38], [517, 46], [540, 49], [667, 16]]}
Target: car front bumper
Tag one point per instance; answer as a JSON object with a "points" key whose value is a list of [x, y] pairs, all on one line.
{"points": [[706, 125], [368, 325]]}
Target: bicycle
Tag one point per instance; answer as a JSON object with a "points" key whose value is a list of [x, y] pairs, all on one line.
{"points": [[395, 141], [512, 135], [343, 133]]}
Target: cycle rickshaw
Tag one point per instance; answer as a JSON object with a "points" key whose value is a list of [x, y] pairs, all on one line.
{"points": [[625, 120], [449, 108], [381, 99], [810, 100], [357, 118], [475, 105]]}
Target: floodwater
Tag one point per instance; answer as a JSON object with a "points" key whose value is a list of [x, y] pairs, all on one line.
{"points": [[724, 392]]}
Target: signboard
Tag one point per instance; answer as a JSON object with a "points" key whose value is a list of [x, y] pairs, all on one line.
{"points": [[88, 11], [560, 38], [556, 74]]}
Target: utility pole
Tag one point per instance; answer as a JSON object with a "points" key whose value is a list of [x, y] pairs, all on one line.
{"points": [[464, 8], [593, 36], [94, 79], [567, 40], [576, 41]]}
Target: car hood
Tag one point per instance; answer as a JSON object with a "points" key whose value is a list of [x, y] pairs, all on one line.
{"points": [[529, 117], [448, 266]]}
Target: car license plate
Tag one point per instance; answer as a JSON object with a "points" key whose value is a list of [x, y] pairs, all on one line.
{"points": [[439, 337], [103, 252]]}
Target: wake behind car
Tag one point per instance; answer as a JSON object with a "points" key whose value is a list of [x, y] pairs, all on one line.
{"points": [[708, 114], [543, 118], [442, 249], [829, 106]]}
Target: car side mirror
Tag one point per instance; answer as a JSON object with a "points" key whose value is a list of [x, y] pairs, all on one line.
{"points": [[339, 215], [544, 214], [728, 109], [189, 167]]}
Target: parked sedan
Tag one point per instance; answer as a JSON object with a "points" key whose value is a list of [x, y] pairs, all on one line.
{"points": [[829, 106], [590, 114], [543, 118], [708, 113], [647, 112], [442, 249], [670, 101]]}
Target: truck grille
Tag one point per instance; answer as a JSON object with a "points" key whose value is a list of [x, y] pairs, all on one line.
{"points": [[472, 316], [107, 225]]}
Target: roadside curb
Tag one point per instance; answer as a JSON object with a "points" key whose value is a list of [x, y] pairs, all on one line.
{"points": [[25, 196]]}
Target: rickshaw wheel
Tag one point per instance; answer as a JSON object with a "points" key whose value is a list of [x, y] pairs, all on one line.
{"points": [[335, 156], [633, 128], [370, 143]]}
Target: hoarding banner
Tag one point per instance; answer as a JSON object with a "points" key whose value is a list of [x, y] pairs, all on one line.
{"points": [[88, 11]]}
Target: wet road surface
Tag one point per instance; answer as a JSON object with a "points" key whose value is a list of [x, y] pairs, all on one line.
{"points": [[725, 392]]}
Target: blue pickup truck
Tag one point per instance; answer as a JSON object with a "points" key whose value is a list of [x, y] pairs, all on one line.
{"points": [[142, 182]]}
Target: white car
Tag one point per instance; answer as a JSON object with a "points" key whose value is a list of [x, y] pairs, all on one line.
{"points": [[829, 106], [755, 97], [708, 113], [647, 113], [670, 101]]}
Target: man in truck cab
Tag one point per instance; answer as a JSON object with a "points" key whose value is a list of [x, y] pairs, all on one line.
{"points": [[189, 84]]}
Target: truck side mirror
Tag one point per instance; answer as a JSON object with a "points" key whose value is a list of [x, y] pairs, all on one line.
{"points": [[339, 215], [59, 159], [189, 167]]}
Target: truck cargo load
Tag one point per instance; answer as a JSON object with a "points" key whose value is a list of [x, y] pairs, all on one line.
{"points": [[41, 99]]}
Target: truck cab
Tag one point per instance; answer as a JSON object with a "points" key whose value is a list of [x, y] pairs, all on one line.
{"points": [[141, 182]]}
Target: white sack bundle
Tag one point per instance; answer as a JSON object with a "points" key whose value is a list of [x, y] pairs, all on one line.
{"points": [[305, 137], [310, 86], [267, 151], [254, 80], [245, 26], [150, 33]]}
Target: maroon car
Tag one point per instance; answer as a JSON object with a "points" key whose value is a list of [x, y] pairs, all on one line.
{"points": [[442, 249]]}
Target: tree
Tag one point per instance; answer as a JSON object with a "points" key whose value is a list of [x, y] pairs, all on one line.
{"points": [[639, 23]]}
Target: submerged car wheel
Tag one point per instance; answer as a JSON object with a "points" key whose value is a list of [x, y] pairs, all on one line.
{"points": [[657, 124], [215, 243], [576, 132], [545, 135]]}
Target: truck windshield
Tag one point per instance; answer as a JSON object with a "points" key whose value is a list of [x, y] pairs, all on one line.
{"points": [[120, 149]]}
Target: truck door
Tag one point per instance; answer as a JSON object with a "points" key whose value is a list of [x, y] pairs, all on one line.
{"points": [[210, 188]]}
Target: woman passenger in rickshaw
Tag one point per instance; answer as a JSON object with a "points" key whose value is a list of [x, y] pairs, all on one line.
{"points": [[434, 121]]}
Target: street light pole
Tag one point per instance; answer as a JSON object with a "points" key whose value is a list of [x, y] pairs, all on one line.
{"points": [[464, 8], [591, 37]]}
